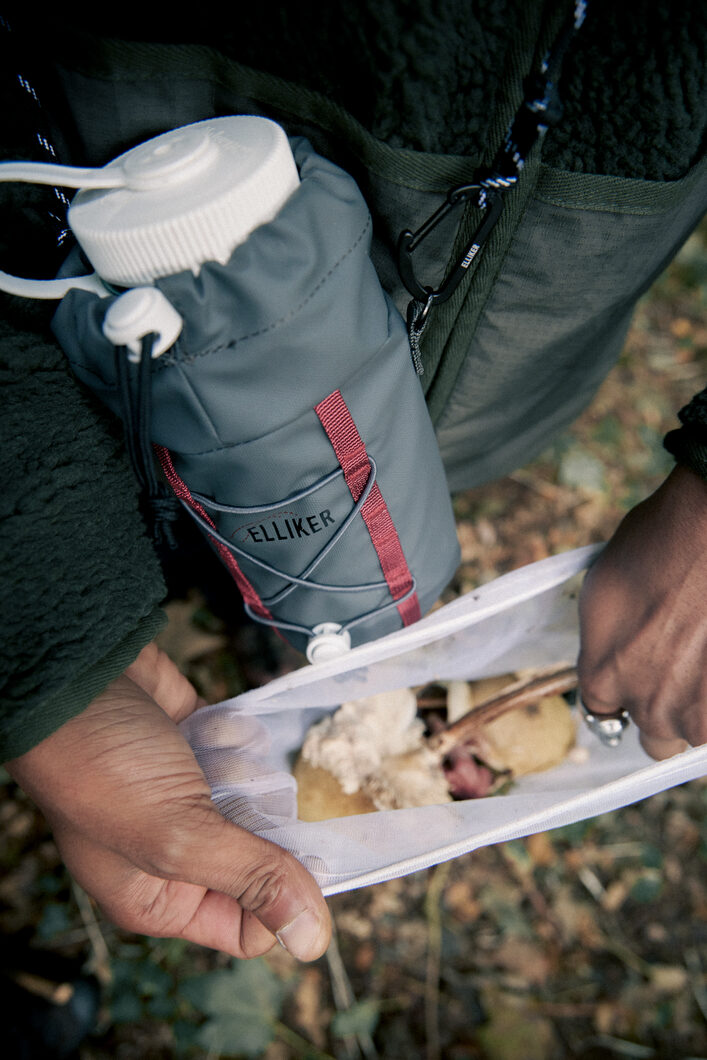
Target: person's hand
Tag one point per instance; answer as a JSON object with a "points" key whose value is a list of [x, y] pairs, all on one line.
{"points": [[643, 613], [132, 816]]}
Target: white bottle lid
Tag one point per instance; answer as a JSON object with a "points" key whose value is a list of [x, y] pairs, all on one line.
{"points": [[189, 196]]}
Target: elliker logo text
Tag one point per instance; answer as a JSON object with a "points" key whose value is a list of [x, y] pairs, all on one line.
{"points": [[285, 528]]}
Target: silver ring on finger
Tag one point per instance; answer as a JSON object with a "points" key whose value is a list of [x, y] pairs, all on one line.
{"points": [[607, 727]]}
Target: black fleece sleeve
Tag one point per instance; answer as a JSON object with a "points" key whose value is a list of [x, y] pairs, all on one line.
{"points": [[81, 583]]}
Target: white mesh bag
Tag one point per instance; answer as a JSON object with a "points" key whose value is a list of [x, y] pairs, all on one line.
{"points": [[246, 746]]}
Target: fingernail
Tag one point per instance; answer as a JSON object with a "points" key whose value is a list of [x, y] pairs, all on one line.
{"points": [[300, 935]]}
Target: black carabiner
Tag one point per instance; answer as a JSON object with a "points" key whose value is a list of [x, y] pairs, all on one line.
{"points": [[489, 201]]}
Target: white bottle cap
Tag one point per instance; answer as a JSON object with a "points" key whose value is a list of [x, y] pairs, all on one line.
{"points": [[189, 196]]}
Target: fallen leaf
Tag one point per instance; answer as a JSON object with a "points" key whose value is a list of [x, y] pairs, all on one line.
{"points": [[310, 1015], [681, 327], [524, 959], [515, 1034], [669, 978], [181, 639], [580, 469], [541, 849], [459, 898]]}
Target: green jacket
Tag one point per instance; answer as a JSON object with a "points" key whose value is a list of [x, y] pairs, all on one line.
{"points": [[411, 98]]}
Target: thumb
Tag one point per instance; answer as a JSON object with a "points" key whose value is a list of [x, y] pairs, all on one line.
{"points": [[269, 884]]}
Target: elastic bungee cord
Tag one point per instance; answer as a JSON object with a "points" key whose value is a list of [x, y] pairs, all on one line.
{"points": [[302, 580], [133, 378]]}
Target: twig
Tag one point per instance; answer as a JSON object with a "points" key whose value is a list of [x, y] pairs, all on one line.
{"points": [[543, 488], [568, 1010], [622, 1046], [100, 962], [436, 886], [301, 1045], [47, 989], [520, 694], [694, 967], [524, 877], [344, 999], [592, 883], [625, 954]]}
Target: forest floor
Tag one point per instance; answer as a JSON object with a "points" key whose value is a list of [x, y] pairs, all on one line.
{"points": [[587, 942]]}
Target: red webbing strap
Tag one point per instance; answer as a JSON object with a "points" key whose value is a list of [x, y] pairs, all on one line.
{"points": [[181, 490], [347, 443]]}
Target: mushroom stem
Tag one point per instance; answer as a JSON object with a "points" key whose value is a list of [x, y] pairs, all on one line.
{"points": [[517, 695]]}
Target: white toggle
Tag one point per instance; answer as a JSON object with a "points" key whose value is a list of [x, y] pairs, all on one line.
{"points": [[138, 312], [328, 641]]}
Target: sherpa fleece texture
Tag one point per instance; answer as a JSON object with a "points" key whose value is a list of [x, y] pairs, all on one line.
{"points": [[80, 580], [427, 76]]}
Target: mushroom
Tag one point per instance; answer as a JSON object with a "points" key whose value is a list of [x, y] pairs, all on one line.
{"points": [[377, 753]]}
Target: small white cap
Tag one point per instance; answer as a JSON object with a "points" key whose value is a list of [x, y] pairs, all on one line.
{"points": [[190, 196], [138, 312], [328, 641]]}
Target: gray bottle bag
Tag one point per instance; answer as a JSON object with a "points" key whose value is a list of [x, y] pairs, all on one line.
{"points": [[289, 420]]}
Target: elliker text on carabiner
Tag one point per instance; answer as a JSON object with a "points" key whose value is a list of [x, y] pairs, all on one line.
{"points": [[490, 202]]}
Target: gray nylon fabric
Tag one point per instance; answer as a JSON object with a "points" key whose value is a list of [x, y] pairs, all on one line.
{"points": [[297, 313]]}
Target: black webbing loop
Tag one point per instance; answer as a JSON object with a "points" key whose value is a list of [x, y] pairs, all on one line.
{"points": [[541, 108]]}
